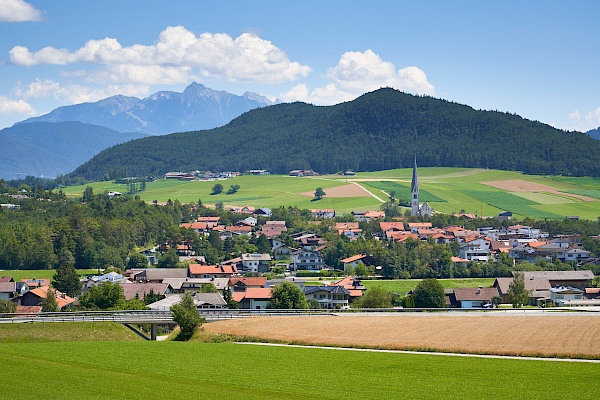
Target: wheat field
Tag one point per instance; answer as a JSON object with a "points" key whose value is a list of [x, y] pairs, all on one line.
{"points": [[549, 335]]}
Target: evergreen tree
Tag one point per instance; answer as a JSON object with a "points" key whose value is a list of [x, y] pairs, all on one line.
{"points": [[66, 280], [187, 317], [263, 244]]}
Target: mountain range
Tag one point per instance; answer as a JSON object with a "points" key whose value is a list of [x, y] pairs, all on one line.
{"points": [[196, 108], [48, 149], [379, 130], [594, 133]]}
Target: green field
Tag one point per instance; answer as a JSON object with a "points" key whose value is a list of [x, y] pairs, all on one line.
{"points": [[447, 190], [66, 332], [17, 275], [406, 285], [149, 370]]}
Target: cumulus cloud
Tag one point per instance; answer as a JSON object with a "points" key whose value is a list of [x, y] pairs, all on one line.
{"points": [[247, 58], [357, 73], [18, 11], [15, 107], [593, 116], [574, 116]]}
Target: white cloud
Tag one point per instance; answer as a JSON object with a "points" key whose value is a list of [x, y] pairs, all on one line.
{"points": [[593, 116], [15, 107], [357, 73], [37, 88], [574, 116], [18, 11], [177, 52]]}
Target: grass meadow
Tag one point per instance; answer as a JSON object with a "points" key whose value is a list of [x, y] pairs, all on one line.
{"points": [[150, 370], [403, 286], [447, 190], [17, 275]]}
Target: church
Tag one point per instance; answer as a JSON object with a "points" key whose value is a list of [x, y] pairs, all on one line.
{"points": [[423, 210]]}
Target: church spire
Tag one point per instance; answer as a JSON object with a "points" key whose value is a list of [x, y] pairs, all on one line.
{"points": [[415, 190]]}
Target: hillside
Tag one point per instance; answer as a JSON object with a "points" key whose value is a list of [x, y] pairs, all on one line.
{"points": [[53, 148], [197, 107], [377, 131], [594, 133]]}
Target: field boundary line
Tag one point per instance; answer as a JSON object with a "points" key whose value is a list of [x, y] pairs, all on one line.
{"points": [[368, 191], [431, 353]]}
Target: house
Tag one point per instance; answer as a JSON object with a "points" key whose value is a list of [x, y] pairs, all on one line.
{"points": [[92, 281], [566, 296], [573, 255], [34, 283], [282, 252], [258, 172], [34, 297], [212, 271], [201, 300], [139, 290], [156, 275], [197, 284], [239, 230], [210, 222], [323, 213], [257, 263], [307, 259], [330, 297], [415, 226], [475, 249], [355, 289], [537, 286], [8, 290], [391, 227], [241, 284], [505, 216], [198, 227], [253, 298], [577, 279], [353, 261], [264, 212], [475, 297]]}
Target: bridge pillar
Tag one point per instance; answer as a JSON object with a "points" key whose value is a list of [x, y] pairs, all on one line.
{"points": [[153, 332]]}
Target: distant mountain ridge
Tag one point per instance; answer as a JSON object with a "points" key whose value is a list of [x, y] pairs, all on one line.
{"points": [[594, 133], [50, 149], [377, 131], [196, 108]]}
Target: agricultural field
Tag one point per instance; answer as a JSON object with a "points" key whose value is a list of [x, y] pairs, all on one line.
{"points": [[403, 286], [19, 274], [66, 332], [501, 332], [450, 190], [148, 370]]}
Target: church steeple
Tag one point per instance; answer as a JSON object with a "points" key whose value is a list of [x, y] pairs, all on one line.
{"points": [[415, 190]]}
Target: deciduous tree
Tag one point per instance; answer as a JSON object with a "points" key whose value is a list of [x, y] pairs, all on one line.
{"points": [[517, 294], [286, 295], [429, 293], [187, 317]]}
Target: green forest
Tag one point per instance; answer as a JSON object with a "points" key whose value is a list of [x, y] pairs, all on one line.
{"points": [[379, 130]]}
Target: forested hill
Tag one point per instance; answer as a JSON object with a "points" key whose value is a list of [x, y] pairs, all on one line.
{"points": [[377, 131]]}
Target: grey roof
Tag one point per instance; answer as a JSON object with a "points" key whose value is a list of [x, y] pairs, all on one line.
{"points": [[174, 282], [200, 299], [560, 275], [331, 289], [482, 294], [131, 289], [531, 283], [8, 287], [158, 274]]}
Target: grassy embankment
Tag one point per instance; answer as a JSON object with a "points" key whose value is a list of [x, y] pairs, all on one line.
{"points": [[146, 370], [19, 274], [448, 190]]}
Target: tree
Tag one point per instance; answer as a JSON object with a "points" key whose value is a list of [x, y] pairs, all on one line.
{"points": [[375, 297], [66, 280], [392, 196], [88, 194], [517, 294], [218, 188], [429, 293], [319, 193], [137, 260], [231, 303], [233, 189], [49, 303], [102, 297], [187, 317], [263, 244], [169, 259], [286, 295], [7, 307], [361, 270]]}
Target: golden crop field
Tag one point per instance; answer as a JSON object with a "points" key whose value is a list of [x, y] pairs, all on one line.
{"points": [[551, 335]]}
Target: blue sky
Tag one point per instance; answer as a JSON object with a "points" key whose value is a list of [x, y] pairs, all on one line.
{"points": [[539, 59]]}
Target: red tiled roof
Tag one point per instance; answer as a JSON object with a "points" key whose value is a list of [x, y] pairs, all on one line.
{"points": [[353, 258], [388, 226], [419, 225], [374, 214], [61, 299], [199, 269], [252, 281], [195, 225], [4, 279], [253, 293], [208, 219], [33, 283]]}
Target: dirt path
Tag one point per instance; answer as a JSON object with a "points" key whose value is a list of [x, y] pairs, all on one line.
{"points": [[368, 191]]}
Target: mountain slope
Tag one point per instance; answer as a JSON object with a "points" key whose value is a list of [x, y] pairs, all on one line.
{"points": [[197, 107], [594, 133], [50, 149], [379, 130]]}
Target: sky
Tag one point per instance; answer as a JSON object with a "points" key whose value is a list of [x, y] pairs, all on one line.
{"points": [[539, 59]]}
